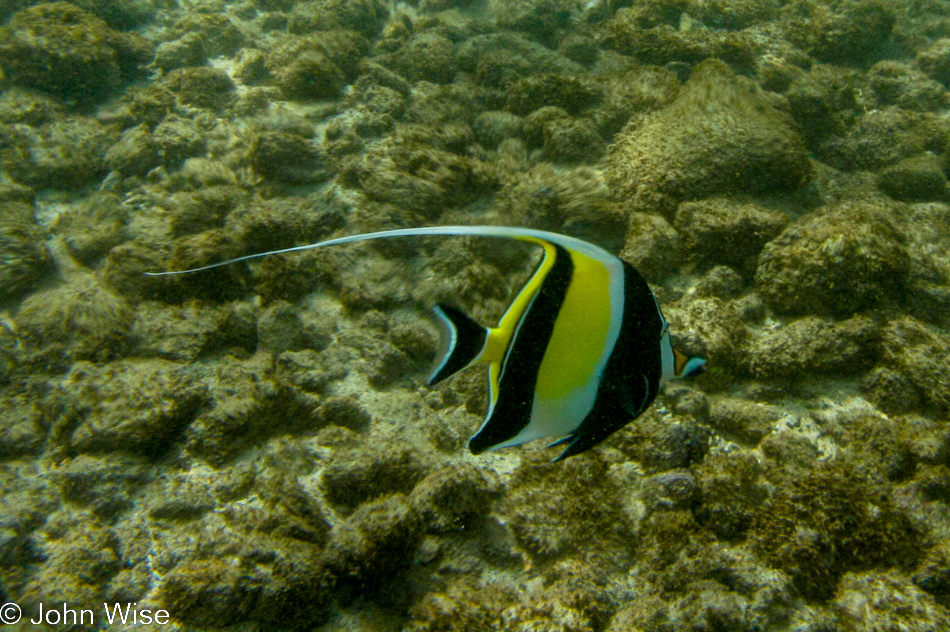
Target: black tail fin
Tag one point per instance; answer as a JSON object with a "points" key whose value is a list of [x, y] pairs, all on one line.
{"points": [[461, 340]]}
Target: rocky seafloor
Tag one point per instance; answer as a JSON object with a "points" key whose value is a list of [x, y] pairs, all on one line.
{"points": [[251, 447]]}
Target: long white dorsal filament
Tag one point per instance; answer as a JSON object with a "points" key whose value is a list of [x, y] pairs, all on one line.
{"points": [[570, 243]]}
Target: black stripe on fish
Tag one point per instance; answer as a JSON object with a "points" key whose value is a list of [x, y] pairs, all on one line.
{"points": [[631, 378], [519, 371]]}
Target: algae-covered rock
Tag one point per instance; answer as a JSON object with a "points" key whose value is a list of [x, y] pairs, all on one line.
{"points": [[179, 498], [30, 107], [205, 592], [95, 226], [673, 490], [551, 517], [884, 448], [537, 123], [23, 256], [837, 260], [824, 103], [916, 179], [263, 565], [740, 419], [288, 157], [732, 490], [574, 94], [933, 574], [79, 557], [81, 317], [660, 441], [364, 16], [176, 138], [137, 406], [11, 352], [316, 66], [383, 362], [500, 59], [579, 48], [28, 501], [64, 154], [540, 19], [721, 134], [643, 612], [829, 523], [308, 370], [572, 140], [659, 43], [103, 484], [891, 391], [633, 91], [928, 234], [133, 153], [373, 544], [652, 246], [920, 355], [935, 61], [548, 614], [571, 201], [885, 136], [195, 38], [725, 282], [22, 431], [205, 209], [59, 48], [186, 332], [720, 231], [850, 36], [358, 476], [426, 57], [899, 84], [493, 127], [813, 345], [887, 600], [452, 497], [210, 88], [280, 329], [407, 170], [187, 50], [461, 608], [297, 512], [248, 405], [680, 559], [708, 327]]}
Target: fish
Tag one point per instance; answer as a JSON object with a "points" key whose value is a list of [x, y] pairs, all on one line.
{"points": [[582, 350]]}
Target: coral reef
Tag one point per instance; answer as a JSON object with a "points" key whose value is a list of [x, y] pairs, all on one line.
{"points": [[726, 233], [253, 446], [82, 319], [22, 250], [720, 134], [836, 260], [59, 48], [133, 406], [33, 155]]}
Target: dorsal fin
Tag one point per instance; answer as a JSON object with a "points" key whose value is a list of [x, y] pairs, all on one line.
{"points": [[461, 341]]}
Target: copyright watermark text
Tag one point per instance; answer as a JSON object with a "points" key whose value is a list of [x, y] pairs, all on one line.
{"points": [[10, 613], [62, 614]]}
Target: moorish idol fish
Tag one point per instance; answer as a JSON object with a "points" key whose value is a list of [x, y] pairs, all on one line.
{"points": [[581, 352]]}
